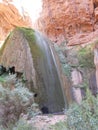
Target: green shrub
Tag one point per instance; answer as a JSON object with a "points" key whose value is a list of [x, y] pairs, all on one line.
{"points": [[15, 100], [85, 116], [85, 57], [22, 124], [13, 103], [81, 117], [66, 68], [2, 79]]}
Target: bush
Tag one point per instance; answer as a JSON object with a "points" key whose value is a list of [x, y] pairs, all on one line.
{"points": [[81, 117], [85, 57], [85, 116], [22, 124], [13, 103], [66, 68]]}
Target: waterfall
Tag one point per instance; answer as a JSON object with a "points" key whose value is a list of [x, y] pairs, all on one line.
{"points": [[48, 79], [35, 57]]}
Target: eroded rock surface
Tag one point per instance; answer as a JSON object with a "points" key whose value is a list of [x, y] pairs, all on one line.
{"points": [[76, 21], [10, 18]]}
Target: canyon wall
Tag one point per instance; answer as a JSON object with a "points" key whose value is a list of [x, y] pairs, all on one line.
{"points": [[74, 20], [10, 18]]}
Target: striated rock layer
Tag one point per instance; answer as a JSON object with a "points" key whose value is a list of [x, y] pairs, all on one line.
{"points": [[10, 18], [74, 20]]}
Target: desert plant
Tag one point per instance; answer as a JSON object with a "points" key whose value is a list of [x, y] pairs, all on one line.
{"points": [[66, 68], [13, 103], [22, 124], [85, 57], [84, 116], [81, 117]]}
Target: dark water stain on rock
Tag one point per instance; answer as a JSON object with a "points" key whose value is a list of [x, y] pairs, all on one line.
{"points": [[93, 85]]}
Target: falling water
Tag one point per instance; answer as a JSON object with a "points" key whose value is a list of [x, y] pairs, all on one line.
{"points": [[48, 79]]}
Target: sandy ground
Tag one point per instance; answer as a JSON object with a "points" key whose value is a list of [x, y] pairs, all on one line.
{"points": [[43, 122]]}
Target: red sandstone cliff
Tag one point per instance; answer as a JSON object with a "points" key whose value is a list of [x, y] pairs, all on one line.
{"points": [[76, 20], [10, 18]]}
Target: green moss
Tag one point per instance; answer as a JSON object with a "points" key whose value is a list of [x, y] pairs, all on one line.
{"points": [[2, 79], [29, 34]]}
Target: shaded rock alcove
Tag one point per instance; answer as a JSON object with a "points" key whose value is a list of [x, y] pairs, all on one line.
{"points": [[31, 54]]}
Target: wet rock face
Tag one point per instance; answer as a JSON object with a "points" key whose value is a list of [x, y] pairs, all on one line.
{"points": [[69, 19], [28, 52], [17, 53], [93, 84]]}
